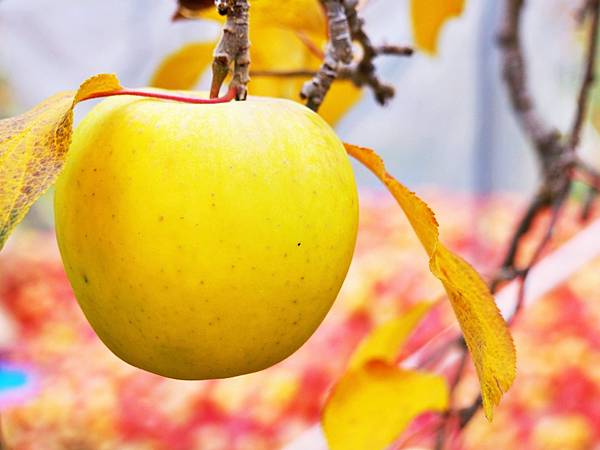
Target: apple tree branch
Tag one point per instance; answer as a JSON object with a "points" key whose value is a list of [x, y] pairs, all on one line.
{"points": [[233, 48], [559, 164], [345, 27]]}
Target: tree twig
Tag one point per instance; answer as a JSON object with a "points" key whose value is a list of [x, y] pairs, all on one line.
{"points": [[588, 204], [365, 73], [345, 26], [591, 7], [352, 72], [514, 74], [339, 50], [447, 416], [591, 177], [508, 271], [589, 173], [546, 238], [232, 49]]}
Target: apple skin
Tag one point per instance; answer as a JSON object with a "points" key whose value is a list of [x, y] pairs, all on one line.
{"points": [[205, 241]]}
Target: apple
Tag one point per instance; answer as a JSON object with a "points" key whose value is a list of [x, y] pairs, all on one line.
{"points": [[205, 241]]}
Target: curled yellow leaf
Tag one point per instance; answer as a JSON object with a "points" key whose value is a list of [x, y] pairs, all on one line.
{"points": [[372, 405], [428, 18], [484, 329], [33, 147], [384, 342]]}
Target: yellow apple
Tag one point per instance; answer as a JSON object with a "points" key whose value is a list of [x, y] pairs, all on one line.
{"points": [[205, 241]]}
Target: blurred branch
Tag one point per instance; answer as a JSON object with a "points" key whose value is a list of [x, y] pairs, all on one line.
{"points": [[555, 155], [339, 50], [591, 7], [364, 73], [353, 71], [515, 77], [546, 238], [507, 269], [442, 431], [558, 164], [591, 175], [233, 48], [588, 204], [345, 26]]}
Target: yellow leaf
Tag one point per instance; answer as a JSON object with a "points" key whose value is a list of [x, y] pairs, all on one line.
{"points": [[305, 16], [280, 51], [33, 147], [484, 329], [374, 401], [383, 342], [428, 17], [182, 69], [371, 406]]}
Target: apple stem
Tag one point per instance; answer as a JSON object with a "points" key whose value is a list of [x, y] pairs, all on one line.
{"points": [[229, 96]]}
